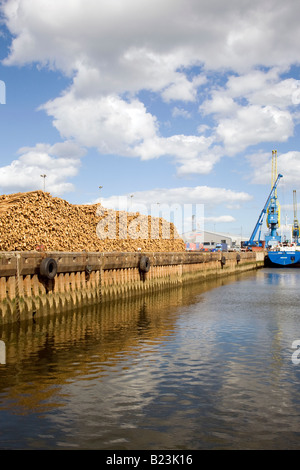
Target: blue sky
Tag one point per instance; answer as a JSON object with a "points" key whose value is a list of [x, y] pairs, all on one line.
{"points": [[171, 101]]}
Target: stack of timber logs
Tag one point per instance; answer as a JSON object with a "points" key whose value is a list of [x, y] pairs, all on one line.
{"points": [[38, 221]]}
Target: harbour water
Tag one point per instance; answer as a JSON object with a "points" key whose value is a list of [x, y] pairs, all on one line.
{"points": [[211, 366]]}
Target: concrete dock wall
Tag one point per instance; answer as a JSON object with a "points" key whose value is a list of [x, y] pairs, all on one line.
{"points": [[79, 279]]}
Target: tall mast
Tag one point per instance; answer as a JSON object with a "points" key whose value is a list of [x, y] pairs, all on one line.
{"points": [[296, 224]]}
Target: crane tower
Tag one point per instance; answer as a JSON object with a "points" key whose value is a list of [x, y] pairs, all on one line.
{"points": [[273, 211]]}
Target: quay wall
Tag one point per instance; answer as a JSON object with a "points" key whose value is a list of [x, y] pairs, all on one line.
{"points": [[87, 278]]}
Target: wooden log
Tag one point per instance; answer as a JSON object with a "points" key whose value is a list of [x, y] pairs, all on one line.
{"points": [[35, 219]]}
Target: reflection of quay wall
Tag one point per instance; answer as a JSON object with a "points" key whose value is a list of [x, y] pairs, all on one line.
{"points": [[111, 327], [88, 278], [76, 342]]}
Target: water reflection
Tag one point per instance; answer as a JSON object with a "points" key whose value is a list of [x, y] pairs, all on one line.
{"points": [[92, 340], [206, 366], [2, 352], [280, 276]]}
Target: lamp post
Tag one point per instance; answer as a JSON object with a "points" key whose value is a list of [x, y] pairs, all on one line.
{"points": [[44, 176]]}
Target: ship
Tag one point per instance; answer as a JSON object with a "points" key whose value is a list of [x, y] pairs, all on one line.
{"points": [[279, 254], [284, 255], [287, 254]]}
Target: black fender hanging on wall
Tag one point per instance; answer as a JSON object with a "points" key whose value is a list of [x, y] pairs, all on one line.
{"points": [[144, 264], [48, 268]]}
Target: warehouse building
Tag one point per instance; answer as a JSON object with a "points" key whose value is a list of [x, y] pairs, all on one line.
{"points": [[206, 240]]}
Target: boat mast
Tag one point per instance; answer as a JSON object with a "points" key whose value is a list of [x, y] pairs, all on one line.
{"points": [[296, 224]]}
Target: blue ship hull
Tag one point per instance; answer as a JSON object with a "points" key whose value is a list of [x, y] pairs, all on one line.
{"points": [[284, 258]]}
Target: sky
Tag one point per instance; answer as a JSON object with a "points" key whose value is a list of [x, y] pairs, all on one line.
{"points": [[156, 103]]}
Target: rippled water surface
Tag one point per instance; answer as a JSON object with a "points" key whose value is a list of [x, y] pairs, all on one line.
{"points": [[204, 367]]}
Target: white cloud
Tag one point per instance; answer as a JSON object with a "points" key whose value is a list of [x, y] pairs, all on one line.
{"points": [[253, 125], [24, 173], [253, 108], [112, 49], [116, 126], [190, 152], [288, 164], [104, 35], [219, 104], [179, 204], [180, 112], [183, 89], [257, 87], [210, 196], [109, 123]]}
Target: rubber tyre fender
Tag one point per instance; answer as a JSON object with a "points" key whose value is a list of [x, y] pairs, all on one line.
{"points": [[88, 269], [223, 260], [48, 268], [144, 264]]}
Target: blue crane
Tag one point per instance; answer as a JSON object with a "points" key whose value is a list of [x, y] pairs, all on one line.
{"points": [[273, 221]]}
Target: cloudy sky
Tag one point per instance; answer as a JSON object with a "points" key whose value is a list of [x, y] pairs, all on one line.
{"points": [[169, 101]]}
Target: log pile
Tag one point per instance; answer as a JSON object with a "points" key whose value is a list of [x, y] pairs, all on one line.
{"points": [[37, 221]]}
